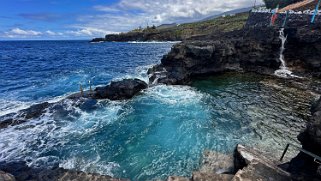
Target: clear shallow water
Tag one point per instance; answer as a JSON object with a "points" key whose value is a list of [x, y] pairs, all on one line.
{"points": [[161, 132]]}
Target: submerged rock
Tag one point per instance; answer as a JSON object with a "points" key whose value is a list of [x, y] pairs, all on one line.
{"points": [[124, 89]]}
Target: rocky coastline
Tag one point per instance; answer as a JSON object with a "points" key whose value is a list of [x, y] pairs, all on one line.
{"points": [[252, 49]]}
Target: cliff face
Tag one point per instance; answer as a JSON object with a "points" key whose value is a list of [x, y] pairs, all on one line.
{"points": [[255, 48]]}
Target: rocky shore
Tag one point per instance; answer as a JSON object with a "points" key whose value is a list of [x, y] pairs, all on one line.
{"points": [[255, 48]]}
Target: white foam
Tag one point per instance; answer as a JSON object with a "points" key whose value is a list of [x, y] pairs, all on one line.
{"points": [[174, 94], [90, 165]]}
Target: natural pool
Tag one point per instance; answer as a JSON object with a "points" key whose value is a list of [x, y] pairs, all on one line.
{"points": [[164, 130]]}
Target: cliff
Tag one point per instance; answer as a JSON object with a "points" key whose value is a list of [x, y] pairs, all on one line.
{"points": [[181, 32], [255, 48]]}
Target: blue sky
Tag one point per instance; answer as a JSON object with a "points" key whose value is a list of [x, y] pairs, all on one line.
{"points": [[86, 19]]}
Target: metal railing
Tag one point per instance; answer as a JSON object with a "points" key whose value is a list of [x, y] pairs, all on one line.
{"points": [[317, 158]]}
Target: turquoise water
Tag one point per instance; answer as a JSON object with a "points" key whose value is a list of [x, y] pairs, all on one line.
{"points": [[164, 130]]}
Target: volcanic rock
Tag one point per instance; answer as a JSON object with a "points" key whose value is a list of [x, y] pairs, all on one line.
{"points": [[124, 89]]}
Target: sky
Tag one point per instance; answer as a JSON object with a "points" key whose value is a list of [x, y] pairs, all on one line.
{"points": [[86, 19]]}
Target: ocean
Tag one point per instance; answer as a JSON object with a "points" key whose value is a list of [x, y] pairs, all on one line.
{"points": [[162, 131]]}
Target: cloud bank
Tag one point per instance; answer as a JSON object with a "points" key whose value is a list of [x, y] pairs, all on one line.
{"points": [[125, 15]]}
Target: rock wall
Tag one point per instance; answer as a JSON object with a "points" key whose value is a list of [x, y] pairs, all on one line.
{"points": [[293, 21]]}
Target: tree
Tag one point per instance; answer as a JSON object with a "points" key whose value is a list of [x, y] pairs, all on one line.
{"points": [[282, 3]]}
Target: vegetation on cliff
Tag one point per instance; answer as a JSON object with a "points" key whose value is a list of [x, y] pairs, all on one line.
{"points": [[182, 31]]}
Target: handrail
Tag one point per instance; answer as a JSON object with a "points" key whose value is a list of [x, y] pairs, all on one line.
{"points": [[316, 157]]}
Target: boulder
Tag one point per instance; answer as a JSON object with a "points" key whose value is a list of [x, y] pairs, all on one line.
{"points": [[124, 89]]}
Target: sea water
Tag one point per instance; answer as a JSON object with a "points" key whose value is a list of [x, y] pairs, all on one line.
{"points": [[162, 131]]}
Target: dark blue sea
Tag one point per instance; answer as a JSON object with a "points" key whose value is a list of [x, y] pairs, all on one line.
{"points": [[161, 132]]}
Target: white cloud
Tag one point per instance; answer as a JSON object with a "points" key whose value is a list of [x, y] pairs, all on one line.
{"points": [[21, 32], [129, 14], [88, 32]]}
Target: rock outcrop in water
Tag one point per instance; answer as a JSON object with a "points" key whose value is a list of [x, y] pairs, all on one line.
{"points": [[120, 90], [116, 90]]}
